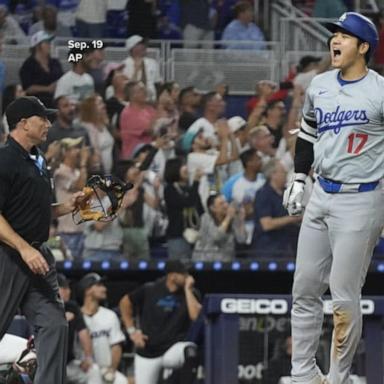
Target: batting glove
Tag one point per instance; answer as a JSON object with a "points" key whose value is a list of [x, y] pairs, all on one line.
{"points": [[293, 195]]}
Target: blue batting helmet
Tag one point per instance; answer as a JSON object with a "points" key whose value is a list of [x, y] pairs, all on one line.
{"points": [[356, 25]]}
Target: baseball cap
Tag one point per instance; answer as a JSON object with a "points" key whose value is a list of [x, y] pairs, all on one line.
{"points": [[88, 281], [235, 123], [176, 266], [25, 107], [132, 41], [62, 281], [40, 37], [70, 142], [188, 138]]}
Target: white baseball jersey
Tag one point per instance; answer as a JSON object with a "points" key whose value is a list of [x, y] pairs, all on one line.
{"points": [[345, 124], [104, 327]]}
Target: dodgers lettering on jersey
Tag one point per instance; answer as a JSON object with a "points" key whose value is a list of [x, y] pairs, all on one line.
{"points": [[346, 125]]}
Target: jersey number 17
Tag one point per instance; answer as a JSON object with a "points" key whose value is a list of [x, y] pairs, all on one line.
{"points": [[356, 142]]}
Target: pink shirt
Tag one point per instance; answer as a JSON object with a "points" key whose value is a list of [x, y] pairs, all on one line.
{"points": [[135, 128]]}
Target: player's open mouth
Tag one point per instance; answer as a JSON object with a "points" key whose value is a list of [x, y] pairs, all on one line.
{"points": [[336, 53]]}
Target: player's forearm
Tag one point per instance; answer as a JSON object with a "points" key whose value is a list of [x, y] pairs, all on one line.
{"points": [[10, 237], [60, 209], [194, 307], [304, 156], [117, 352], [86, 343], [126, 311]]}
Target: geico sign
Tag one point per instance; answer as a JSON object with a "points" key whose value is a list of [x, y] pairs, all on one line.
{"points": [[260, 306], [367, 307]]}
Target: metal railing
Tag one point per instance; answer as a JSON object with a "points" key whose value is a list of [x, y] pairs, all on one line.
{"points": [[241, 66]]}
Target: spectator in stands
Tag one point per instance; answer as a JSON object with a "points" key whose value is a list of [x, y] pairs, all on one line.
{"points": [[274, 119], [165, 309], [76, 83], [136, 119], [329, 9], [91, 17], [213, 107], [242, 188], [80, 369], [139, 67], [261, 139], [242, 28], [189, 102], [104, 327], [166, 108], [196, 23], [131, 217], [220, 226], [64, 125], [183, 208], [50, 24], [310, 66], [66, 10], [142, 18], [10, 93], [94, 118], [239, 128], [97, 65], [204, 156], [40, 72], [70, 176], [103, 241], [275, 231], [167, 30], [10, 29]]}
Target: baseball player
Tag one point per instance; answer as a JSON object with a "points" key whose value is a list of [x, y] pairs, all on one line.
{"points": [[104, 327], [342, 135]]}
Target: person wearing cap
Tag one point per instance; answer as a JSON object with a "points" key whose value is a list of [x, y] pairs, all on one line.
{"points": [[202, 155], [139, 67], [76, 83], [165, 310], [40, 72], [104, 327], [81, 368], [27, 267], [71, 175]]}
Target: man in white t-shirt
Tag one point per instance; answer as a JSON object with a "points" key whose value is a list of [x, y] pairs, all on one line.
{"points": [[139, 67], [76, 84], [104, 327], [203, 156], [242, 188]]}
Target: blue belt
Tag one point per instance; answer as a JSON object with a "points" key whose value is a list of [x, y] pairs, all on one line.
{"points": [[331, 186]]}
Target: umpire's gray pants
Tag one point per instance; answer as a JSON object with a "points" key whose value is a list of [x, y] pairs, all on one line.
{"points": [[39, 300], [336, 241]]}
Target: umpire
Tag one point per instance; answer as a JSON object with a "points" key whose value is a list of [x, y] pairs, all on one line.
{"points": [[28, 277]]}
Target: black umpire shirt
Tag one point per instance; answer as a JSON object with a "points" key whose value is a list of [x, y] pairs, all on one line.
{"points": [[25, 192], [163, 316]]}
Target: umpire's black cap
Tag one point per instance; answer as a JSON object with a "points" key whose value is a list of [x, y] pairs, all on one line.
{"points": [[176, 266], [25, 107]]}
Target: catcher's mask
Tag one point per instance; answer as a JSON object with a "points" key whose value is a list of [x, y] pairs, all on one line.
{"points": [[103, 197]]}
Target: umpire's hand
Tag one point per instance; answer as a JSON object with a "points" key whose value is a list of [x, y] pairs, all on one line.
{"points": [[35, 261]]}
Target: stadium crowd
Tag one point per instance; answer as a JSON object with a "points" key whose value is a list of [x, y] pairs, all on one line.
{"points": [[208, 185]]}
